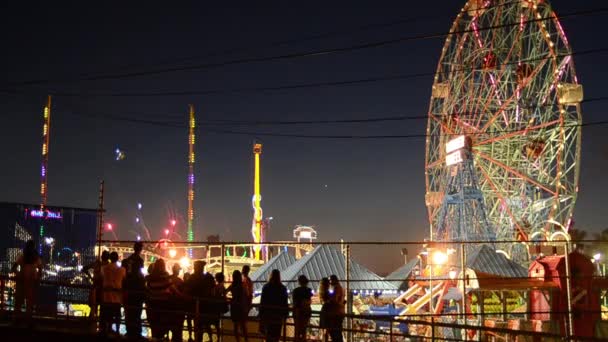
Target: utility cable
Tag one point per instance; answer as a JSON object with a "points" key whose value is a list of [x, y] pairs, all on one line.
{"points": [[320, 52]]}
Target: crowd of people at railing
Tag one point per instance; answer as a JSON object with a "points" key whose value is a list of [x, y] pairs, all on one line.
{"points": [[200, 299]]}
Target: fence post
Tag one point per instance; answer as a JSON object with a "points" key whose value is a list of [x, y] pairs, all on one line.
{"points": [[463, 255], [223, 257], [349, 297], [285, 330], [390, 330], [432, 328], [570, 331]]}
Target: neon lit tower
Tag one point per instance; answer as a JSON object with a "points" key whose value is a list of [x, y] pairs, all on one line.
{"points": [[191, 141], [46, 135], [256, 226]]}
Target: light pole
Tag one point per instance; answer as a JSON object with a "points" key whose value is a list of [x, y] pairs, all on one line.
{"points": [[51, 243]]}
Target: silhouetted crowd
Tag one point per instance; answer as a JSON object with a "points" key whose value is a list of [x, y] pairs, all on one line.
{"points": [[200, 299]]}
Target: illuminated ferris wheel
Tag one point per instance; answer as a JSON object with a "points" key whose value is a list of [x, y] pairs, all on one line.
{"points": [[506, 81]]}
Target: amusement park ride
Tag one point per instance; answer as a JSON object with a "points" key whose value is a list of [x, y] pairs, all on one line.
{"points": [[503, 142], [513, 95], [502, 155]]}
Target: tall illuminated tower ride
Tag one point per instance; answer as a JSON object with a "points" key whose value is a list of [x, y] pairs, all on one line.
{"points": [[46, 134], [256, 226], [191, 142]]}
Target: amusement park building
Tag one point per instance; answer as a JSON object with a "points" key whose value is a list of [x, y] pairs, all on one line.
{"points": [[72, 231]]}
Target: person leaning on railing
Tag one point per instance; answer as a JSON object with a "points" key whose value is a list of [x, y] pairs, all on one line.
{"points": [[160, 290]]}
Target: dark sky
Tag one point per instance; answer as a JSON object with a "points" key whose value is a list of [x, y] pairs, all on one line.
{"points": [[375, 188]]}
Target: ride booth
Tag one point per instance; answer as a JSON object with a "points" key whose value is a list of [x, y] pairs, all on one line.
{"points": [[552, 306]]}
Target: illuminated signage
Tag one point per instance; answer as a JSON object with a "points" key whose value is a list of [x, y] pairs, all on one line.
{"points": [[454, 158], [56, 215], [305, 235], [455, 144]]}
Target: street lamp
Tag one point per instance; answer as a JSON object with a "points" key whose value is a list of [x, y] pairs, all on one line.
{"points": [[51, 243], [438, 258]]}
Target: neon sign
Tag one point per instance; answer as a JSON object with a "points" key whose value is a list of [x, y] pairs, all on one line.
{"points": [[56, 215]]}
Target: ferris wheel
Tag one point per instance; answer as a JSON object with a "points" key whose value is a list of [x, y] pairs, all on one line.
{"points": [[506, 81]]}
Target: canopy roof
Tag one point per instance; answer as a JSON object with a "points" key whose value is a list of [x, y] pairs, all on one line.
{"points": [[324, 261], [403, 274], [280, 262], [484, 259]]}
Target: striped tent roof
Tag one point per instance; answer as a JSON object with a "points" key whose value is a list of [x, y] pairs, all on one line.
{"points": [[485, 259], [400, 276], [324, 261], [280, 262]]}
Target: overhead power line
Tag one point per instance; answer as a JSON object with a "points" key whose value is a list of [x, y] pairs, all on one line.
{"points": [[287, 42], [313, 84], [406, 136], [178, 121], [319, 52]]}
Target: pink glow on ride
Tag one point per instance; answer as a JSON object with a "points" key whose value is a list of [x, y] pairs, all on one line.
{"points": [[476, 32], [560, 28]]}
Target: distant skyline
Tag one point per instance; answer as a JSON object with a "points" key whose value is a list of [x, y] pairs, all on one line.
{"points": [[351, 189]]}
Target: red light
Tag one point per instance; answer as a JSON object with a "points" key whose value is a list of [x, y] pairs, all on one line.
{"points": [[166, 231], [110, 227], [173, 222]]}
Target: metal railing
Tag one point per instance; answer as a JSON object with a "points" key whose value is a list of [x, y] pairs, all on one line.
{"points": [[462, 325]]}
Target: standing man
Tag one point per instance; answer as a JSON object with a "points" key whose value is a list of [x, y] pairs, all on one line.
{"points": [[135, 287], [248, 287], [113, 278], [274, 307]]}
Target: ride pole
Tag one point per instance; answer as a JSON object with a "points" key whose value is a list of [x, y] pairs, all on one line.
{"points": [[569, 291], [100, 218]]}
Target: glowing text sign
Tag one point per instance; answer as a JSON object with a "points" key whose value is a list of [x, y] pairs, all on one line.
{"points": [[454, 158], [56, 215], [455, 144]]}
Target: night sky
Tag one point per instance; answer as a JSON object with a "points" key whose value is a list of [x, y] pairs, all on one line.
{"points": [[353, 189]]}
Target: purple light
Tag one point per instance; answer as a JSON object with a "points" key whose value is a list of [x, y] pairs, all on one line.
{"points": [[191, 179], [49, 214], [43, 171]]}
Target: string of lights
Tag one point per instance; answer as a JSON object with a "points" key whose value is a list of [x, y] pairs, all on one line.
{"points": [[319, 52]]}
